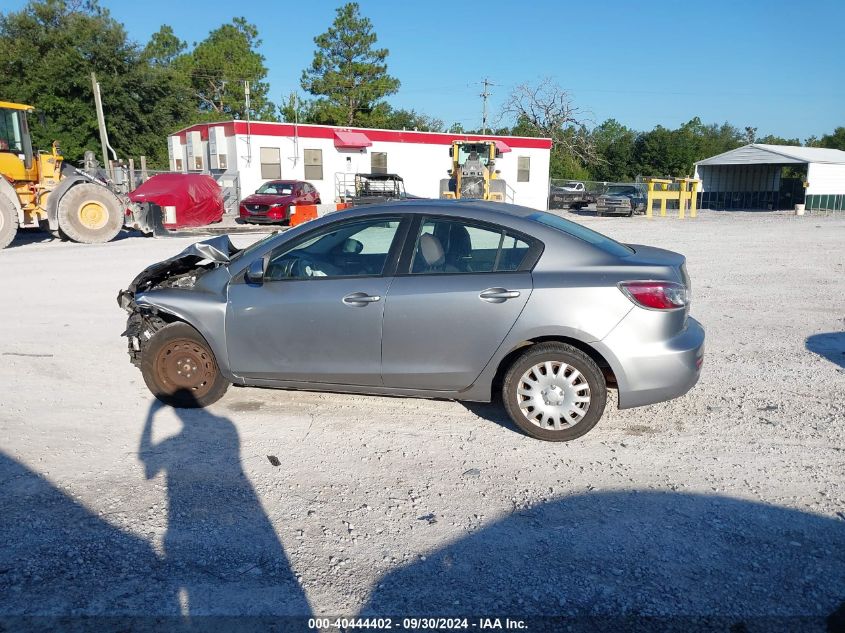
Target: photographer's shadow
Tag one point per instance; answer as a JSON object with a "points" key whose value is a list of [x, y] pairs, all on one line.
{"points": [[220, 548]]}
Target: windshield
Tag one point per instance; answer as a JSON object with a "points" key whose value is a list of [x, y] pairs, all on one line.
{"points": [[276, 188], [254, 247], [10, 131], [598, 240], [611, 191]]}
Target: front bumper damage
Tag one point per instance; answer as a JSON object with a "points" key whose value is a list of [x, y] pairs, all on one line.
{"points": [[180, 271]]}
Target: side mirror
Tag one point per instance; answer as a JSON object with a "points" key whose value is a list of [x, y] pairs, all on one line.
{"points": [[255, 272]]}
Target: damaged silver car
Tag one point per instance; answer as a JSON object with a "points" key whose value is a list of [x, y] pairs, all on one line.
{"points": [[425, 298]]}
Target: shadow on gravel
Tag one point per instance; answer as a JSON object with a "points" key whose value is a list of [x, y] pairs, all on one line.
{"points": [[830, 345], [612, 559], [221, 549], [26, 237], [63, 568], [57, 558]]}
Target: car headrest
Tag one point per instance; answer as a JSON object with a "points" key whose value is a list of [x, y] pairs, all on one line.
{"points": [[460, 244], [352, 246], [431, 249]]}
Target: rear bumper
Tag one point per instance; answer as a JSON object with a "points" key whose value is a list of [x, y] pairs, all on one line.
{"points": [[657, 371]]}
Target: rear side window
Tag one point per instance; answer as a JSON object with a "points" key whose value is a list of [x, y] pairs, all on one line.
{"points": [[456, 246], [612, 247], [513, 253]]}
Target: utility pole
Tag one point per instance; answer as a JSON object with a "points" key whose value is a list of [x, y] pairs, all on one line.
{"points": [[248, 139], [101, 123], [484, 95]]}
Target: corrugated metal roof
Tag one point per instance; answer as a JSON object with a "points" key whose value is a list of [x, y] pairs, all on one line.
{"points": [[760, 154]]}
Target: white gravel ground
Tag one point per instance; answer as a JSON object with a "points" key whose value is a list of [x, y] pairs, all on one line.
{"points": [[727, 504]]}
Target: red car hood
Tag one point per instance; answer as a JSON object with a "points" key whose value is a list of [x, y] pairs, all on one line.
{"points": [[267, 198]]}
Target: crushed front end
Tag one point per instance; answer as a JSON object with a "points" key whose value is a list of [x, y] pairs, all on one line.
{"points": [[179, 272]]}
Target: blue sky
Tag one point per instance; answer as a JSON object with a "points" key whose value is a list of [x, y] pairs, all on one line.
{"points": [[772, 64]]}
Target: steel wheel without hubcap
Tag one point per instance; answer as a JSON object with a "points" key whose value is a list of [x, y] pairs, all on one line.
{"points": [[554, 391], [553, 395], [180, 369], [183, 364]]}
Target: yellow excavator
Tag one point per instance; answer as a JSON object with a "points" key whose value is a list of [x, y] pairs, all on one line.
{"points": [[473, 173], [40, 190]]}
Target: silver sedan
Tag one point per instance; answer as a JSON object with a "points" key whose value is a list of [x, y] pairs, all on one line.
{"points": [[424, 298]]}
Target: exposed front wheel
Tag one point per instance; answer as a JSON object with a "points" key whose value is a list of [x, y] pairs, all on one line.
{"points": [[554, 392], [180, 369]]}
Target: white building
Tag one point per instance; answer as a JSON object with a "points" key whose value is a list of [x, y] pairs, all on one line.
{"points": [[753, 177], [324, 155]]}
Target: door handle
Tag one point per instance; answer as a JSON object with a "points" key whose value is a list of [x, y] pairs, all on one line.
{"points": [[360, 299], [498, 295]]}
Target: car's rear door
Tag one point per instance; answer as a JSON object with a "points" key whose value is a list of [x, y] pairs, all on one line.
{"points": [[317, 317], [445, 317]]}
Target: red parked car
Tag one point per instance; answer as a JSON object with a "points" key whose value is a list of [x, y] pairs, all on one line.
{"points": [[271, 203]]}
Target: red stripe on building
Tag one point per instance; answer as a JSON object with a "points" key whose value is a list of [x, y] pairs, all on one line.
{"points": [[388, 136]]}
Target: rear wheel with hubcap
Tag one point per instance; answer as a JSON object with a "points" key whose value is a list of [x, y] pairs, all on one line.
{"points": [[554, 392], [180, 369]]}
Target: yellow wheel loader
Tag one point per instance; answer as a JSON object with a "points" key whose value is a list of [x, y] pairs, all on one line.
{"points": [[39, 190], [473, 173]]}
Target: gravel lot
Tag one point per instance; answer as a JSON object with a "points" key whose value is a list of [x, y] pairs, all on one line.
{"points": [[727, 505]]}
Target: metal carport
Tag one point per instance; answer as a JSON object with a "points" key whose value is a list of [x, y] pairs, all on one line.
{"points": [[759, 176]]}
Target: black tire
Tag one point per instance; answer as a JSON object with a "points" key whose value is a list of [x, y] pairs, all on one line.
{"points": [[8, 221], [174, 348], [90, 214], [559, 353]]}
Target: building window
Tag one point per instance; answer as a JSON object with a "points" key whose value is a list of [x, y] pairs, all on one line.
{"points": [[378, 162], [313, 164], [523, 168], [271, 163]]}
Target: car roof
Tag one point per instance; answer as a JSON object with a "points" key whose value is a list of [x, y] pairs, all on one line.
{"points": [[442, 207]]}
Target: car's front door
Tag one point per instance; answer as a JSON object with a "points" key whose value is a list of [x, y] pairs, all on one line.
{"points": [[447, 312], [317, 315]]}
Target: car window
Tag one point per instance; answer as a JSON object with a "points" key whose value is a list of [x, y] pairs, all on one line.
{"points": [[275, 188], [349, 249], [513, 252], [598, 240], [455, 246]]}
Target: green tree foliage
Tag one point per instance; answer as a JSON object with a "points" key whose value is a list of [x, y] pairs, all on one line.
{"points": [[216, 69], [47, 53], [666, 152], [614, 145], [772, 139], [347, 75], [401, 119], [835, 140], [49, 49]]}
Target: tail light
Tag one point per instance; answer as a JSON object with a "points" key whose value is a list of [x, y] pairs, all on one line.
{"points": [[656, 295]]}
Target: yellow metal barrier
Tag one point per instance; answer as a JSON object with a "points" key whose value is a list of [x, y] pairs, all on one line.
{"points": [[686, 194]]}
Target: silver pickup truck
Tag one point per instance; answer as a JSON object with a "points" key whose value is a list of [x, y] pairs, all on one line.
{"points": [[621, 200]]}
